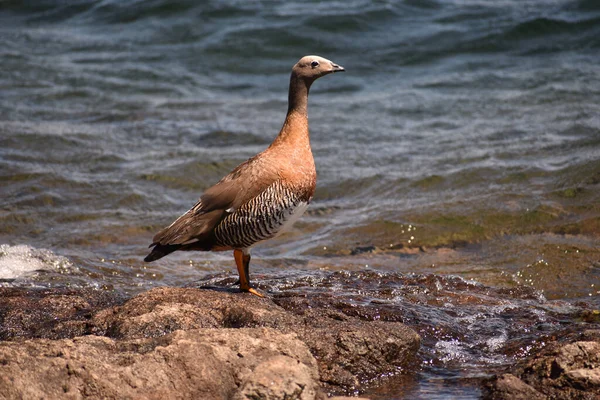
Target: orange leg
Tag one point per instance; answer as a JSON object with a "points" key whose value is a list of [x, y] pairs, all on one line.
{"points": [[243, 263]]}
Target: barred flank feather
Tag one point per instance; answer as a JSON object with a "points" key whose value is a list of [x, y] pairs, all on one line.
{"points": [[261, 218]]}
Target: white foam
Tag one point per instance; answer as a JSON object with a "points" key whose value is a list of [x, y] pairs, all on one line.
{"points": [[452, 350], [23, 260]]}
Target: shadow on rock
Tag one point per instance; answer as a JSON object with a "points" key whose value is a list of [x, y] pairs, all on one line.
{"points": [[50, 313]]}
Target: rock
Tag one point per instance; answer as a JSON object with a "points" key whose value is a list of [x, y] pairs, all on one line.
{"points": [[280, 377], [560, 371], [585, 377], [363, 249], [345, 350], [195, 364], [347, 398], [49, 313], [164, 310], [580, 363], [510, 387], [348, 350]]}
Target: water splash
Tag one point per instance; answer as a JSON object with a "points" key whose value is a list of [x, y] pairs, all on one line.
{"points": [[22, 261]]}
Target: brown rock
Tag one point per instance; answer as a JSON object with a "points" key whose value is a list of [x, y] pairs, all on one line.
{"points": [[347, 398], [280, 377], [509, 387], [49, 313], [164, 310], [197, 364], [348, 350], [579, 359], [561, 371]]}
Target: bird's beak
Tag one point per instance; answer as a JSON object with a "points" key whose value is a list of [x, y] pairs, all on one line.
{"points": [[337, 68]]}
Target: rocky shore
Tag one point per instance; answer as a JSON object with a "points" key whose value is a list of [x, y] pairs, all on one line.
{"points": [[189, 343]]}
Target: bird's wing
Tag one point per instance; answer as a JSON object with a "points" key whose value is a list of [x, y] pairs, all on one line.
{"points": [[245, 182]]}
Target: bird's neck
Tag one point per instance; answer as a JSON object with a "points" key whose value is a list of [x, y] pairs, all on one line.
{"points": [[298, 95], [295, 128], [291, 148]]}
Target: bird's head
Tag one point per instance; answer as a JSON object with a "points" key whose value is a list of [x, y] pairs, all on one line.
{"points": [[310, 68]]}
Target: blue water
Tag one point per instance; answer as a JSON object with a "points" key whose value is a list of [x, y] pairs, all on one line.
{"points": [[474, 123]]}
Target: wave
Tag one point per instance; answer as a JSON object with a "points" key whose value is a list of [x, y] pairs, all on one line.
{"points": [[549, 27], [104, 11], [22, 260], [406, 33]]}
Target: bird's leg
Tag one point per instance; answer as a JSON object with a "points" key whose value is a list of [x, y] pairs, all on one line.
{"points": [[242, 262]]}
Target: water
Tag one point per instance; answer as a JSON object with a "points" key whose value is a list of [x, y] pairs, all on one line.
{"points": [[463, 140]]}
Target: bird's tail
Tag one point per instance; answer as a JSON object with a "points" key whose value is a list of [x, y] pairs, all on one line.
{"points": [[161, 250]]}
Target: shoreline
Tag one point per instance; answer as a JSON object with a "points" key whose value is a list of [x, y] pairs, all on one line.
{"points": [[179, 341]]}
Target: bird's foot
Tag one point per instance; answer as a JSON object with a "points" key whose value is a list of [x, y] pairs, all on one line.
{"points": [[250, 289]]}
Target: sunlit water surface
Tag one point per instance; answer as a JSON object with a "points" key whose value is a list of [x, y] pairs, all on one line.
{"points": [[458, 159]]}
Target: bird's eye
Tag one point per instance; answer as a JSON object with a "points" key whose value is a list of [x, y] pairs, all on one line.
{"points": [[314, 64]]}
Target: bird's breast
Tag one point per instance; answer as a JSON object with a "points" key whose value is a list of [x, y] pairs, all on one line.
{"points": [[291, 216]]}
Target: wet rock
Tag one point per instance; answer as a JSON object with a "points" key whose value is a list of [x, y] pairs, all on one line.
{"points": [[49, 313], [347, 398], [579, 363], [560, 371], [164, 310], [363, 249], [509, 386], [348, 350], [344, 350], [195, 364]]}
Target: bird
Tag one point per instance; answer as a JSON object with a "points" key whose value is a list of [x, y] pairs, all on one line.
{"points": [[260, 198]]}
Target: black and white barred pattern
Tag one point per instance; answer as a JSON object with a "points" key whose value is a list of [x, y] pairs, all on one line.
{"points": [[261, 218]]}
